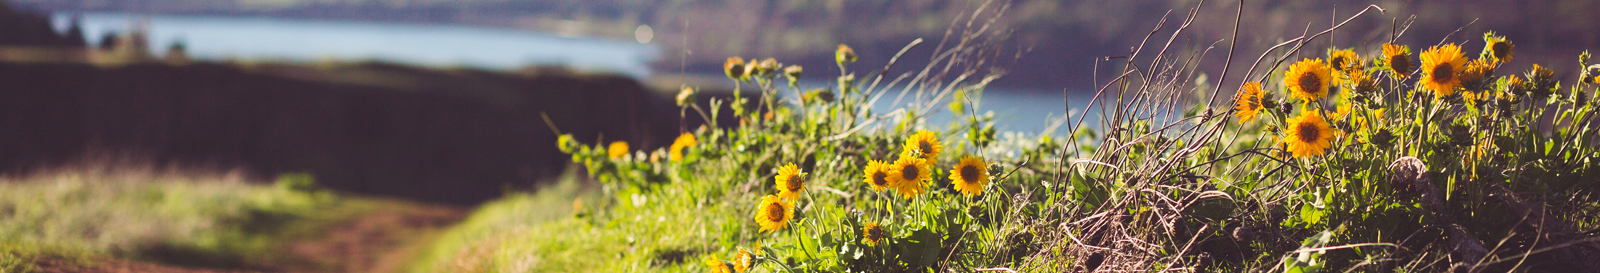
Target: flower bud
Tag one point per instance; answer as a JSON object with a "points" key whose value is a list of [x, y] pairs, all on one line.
{"points": [[686, 96], [1461, 134], [793, 72], [823, 94], [566, 144], [1591, 74], [1383, 139], [844, 55], [766, 67]]}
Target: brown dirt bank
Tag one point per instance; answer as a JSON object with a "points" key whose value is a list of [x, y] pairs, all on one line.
{"points": [[453, 136]]}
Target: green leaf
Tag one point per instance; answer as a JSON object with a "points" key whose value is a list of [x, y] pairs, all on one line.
{"points": [[1312, 215]]}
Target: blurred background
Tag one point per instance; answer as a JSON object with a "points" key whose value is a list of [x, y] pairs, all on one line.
{"points": [[446, 101]]}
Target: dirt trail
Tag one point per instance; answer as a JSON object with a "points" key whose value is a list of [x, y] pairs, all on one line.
{"points": [[384, 239]]}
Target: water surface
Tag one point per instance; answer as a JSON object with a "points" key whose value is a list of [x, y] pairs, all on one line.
{"points": [[262, 38]]}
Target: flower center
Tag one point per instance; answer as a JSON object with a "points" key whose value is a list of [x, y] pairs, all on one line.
{"points": [[926, 148], [1501, 49], [880, 179], [1309, 132], [1442, 73], [1310, 83], [775, 212], [1338, 63], [874, 232], [1400, 63], [794, 183], [909, 172], [969, 173]]}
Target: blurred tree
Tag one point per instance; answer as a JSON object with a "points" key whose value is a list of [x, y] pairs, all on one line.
{"points": [[109, 41], [177, 53], [74, 36]]}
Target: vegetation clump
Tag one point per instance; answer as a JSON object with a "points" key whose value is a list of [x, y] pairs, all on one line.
{"points": [[1364, 162]]}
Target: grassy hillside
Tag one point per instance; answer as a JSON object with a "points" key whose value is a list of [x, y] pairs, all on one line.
{"points": [[139, 219], [208, 220], [1326, 159]]}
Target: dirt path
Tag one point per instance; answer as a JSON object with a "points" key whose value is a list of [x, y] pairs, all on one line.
{"points": [[384, 239]]}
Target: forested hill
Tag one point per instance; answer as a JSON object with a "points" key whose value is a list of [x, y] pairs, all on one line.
{"points": [[1057, 40]]}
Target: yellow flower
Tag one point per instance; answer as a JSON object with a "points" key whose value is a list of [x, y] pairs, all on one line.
{"points": [[716, 265], [774, 214], [1308, 135], [1513, 85], [844, 55], [1540, 76], [1473, 75], [1440, 66], [742, 260], [1471, 98], [872, 233], [1308, 80], [1342, 113], [684, 141], [1248, 102], [1343, 61], [1497, 48], [734, 67], [877, 175], [970, 176], [907, 174], [1362, 82], [791, 182], [923, 143], [1398, 58], [1345, 107], [617, 149]]}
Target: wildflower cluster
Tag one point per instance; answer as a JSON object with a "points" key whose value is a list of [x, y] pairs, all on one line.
{"points": [[812, 179], [1482, 132], [1363, 158]]}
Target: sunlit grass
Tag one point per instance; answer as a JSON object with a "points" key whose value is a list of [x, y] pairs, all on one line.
{"points": [[187, 218]]}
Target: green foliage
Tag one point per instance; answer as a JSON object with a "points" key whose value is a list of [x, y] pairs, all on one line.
{"points": [[1168, 180]]}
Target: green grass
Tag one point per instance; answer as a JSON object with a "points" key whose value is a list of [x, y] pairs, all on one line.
{"points": [[1408, 177], [189, 219], [540, 232]]}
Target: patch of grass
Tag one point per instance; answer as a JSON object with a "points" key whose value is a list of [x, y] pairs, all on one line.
{"points": [[23, 257], [553, 230], [189, 219]]}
